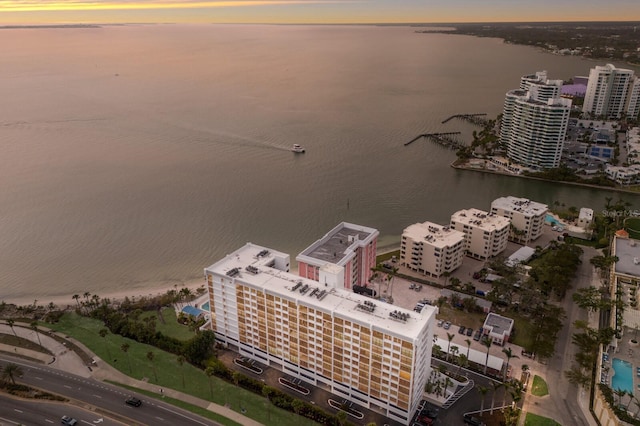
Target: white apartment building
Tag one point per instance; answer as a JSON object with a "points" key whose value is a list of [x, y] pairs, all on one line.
{"points": [[432, 249], [486, 234], [534, 122], [373, 354], [527, 217], [625, 281], [348, 250], [612, 92]]}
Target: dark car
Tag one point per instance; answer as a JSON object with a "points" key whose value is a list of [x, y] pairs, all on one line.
{"points": [[461, 329], [476, 336], [425, 420], [473, 421], [428, 412], [469, 331], [70, 421], [134, 402]]}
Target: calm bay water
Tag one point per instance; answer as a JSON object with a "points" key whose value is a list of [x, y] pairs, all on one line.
{"points": [[134, 156]]}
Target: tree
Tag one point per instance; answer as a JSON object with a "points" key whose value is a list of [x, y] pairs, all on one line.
{"points": [[103, 333], [10, 323], [76, 297], [11, 371], [486, 342], [34, 327], [150, 357], [125, 348], [210, 372], [468, 342], [463, 361], [495, 385], [450, 337], [181, 362], [483, 391], [509, 354]]}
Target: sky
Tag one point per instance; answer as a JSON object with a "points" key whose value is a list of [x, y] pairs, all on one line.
{"points": [[14, 12]]}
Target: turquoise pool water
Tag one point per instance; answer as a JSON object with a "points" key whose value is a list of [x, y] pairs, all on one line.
{"points": [[205, 306], [623, 379], [552, 220]]}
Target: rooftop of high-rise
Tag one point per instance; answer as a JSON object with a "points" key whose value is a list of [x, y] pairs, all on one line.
{"points": [[433, 234], [339, 244]]}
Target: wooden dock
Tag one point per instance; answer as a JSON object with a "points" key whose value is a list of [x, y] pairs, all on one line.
{"points": [[444, 139], [473, 118]]}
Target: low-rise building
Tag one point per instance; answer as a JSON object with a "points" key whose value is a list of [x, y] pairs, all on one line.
{"points": [[527, 217], [432, 249], [486, 234], [585, 217], [497, 328]]}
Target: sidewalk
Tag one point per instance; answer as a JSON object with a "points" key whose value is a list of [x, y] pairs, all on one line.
{"points": [[67, 360]]}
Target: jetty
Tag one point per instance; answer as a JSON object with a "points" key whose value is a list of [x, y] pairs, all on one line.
{"points": [[444, 139], [472, 118]]}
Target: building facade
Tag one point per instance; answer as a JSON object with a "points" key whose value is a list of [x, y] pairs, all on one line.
{"points": [[486, 234], [373, 354], [625, 282], [527, 217], [612, 92], [347, 250], [432, 249]]}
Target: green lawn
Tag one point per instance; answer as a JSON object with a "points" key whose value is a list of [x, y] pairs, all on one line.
{"points": [[535, 420], [170, 326], [166, 372], [539, 387], [632, 225]]}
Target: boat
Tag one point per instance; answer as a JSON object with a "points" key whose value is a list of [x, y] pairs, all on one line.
{"points": [[297, 148]]}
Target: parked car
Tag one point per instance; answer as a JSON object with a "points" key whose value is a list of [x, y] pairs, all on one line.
{"points": [[428, 412], [469, 331], [476, 336], [461, 329], [447, 325], [473, 421], [134, 402], [440, 322], [70, 421]]}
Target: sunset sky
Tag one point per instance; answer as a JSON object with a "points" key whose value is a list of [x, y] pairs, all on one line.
{"points": [[314, 11]]}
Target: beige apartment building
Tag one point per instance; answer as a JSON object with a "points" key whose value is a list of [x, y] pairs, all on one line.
{"points": [[527, 217], [432, 249], [373, 354], [486, 234]]}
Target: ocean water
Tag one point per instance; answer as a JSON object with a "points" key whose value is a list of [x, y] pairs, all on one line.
{"points": [[134, 156]]}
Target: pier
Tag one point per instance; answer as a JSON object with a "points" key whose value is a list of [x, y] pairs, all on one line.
{"points": [[444, 139], [472, 118]]}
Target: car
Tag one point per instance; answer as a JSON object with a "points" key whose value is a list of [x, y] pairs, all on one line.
{"points": [[476, 336], [440, 322], [473, 421], [424, 420], [428, 412], [446, 325], [461, 329], [70, 421], [134, 402], [469, 331]]}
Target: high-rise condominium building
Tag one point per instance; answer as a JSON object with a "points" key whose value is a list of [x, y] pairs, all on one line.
{"points": [[347, 250], [432, 249], [612, 92], [527, 217], [373, 354], [486, 234], [534, 122]]}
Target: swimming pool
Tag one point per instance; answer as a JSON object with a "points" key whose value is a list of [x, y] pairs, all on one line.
{"points": [[205, 306], [623, 379], [552, 220]]}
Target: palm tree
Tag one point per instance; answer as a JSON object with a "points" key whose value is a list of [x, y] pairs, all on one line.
{"points": [[11, 371], [487, 343], [150, 357], [103, 333], [34, 327], [619, 393], [463, 361], [468, 342], [447, 382], [496, 386], [509, 354], [210, 372], [125, 348], [76, 297], [450, 336], [181, 362], [483, 391], [10, 323]]}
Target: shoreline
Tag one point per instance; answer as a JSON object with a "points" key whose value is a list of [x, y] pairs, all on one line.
{"points": [[581, 184], [63, 302]]}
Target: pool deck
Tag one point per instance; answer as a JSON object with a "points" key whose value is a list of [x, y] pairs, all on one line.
{"points": [[626, 351]]}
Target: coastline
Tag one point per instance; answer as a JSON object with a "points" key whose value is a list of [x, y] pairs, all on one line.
{"points": [[63, 302], [580, 184]]}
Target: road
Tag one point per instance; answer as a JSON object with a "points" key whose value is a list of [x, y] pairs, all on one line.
{"points": [[102, 399], [563, 404]]}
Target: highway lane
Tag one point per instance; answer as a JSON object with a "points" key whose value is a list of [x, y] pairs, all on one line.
{"points": [[104, 398]]}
